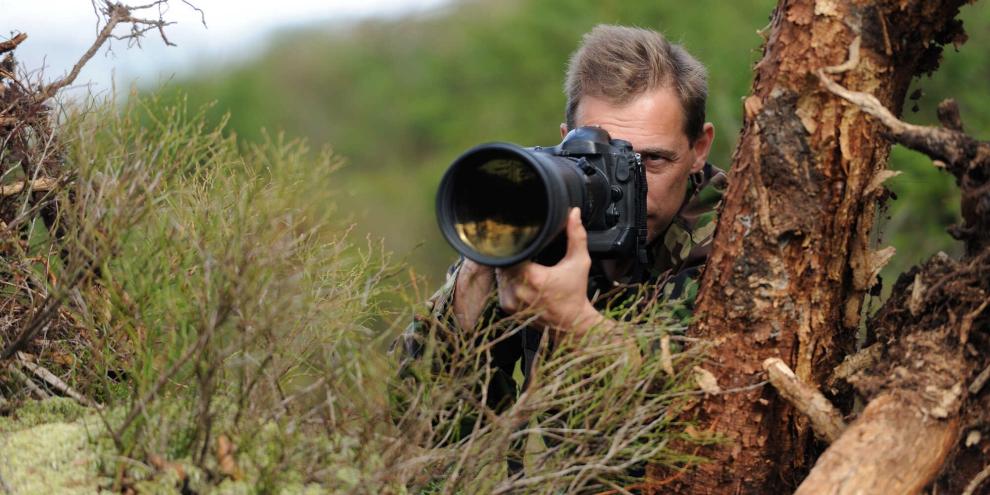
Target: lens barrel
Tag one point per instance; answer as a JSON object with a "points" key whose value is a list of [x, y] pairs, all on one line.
{"points": [[499, 204]]}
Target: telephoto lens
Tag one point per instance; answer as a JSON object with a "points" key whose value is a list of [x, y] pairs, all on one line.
{"points": [[499, 203]]}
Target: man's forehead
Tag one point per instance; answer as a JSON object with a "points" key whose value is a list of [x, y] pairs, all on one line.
{"points": [[653, 120]]}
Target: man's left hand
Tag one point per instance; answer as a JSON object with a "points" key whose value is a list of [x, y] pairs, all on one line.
{"points": [[556, 294]]}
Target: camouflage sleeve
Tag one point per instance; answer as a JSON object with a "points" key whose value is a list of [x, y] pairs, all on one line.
{"points": [[409, 345]]}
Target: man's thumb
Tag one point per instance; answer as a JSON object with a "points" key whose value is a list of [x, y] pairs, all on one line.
{"points": [[577, 237]]}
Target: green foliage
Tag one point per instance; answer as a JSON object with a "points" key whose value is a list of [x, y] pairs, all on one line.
{"points": [[228, 302]]}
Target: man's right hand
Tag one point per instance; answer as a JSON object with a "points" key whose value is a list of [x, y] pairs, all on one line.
{"points": [[474, 284]]}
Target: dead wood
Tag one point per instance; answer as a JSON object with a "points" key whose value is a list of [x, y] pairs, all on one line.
{"points": [[854, 363], [116, 14], [37, 185], [6, 46], [32, 149], [53, 381], [826, 420], [967, 158], [891, 448], [975, 483], [980, 381], [28, 383]]}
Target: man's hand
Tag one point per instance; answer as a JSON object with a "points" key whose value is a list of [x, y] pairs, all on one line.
{"points": [[471, 289], [557, 294]]}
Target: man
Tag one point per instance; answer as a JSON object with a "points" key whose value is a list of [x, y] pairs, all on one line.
{"points": [[638, 87]]}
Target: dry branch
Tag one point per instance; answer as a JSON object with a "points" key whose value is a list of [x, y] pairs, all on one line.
{"points": [[826, 420], [891, 448], [54, 381], [26, 380], [908, 431], [981, 379], [116, 14], [12, 43], [37, 185], [977, 481], [945, 144], [854, 363]]}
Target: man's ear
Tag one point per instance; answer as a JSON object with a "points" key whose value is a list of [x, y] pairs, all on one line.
{"points": [[702, 146], [563, 130]]}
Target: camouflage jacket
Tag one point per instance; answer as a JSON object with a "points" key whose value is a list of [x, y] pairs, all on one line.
{"points": [[675, 261]]}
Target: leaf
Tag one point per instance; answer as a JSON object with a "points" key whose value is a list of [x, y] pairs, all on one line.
{"points": [[879, 259], [706, 381]]}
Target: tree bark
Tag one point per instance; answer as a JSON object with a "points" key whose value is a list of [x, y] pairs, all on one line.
{"points": [[791, 261]]}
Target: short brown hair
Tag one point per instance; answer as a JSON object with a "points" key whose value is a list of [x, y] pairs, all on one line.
{"points": [[619, 63]]}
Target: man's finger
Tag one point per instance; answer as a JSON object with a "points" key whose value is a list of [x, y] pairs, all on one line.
{"points": [[516, 273], [577, 237]]}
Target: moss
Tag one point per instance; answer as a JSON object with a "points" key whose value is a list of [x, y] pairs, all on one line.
{"points": [[56, 457], [34, 413]]}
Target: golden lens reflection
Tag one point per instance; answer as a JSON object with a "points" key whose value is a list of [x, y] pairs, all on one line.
{"points": [[491, 237]]}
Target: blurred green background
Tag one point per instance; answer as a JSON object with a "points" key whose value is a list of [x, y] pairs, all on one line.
{"points": [[400, 98]]}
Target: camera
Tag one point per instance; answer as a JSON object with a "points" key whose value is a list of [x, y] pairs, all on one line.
{"points": [[499, 203]]}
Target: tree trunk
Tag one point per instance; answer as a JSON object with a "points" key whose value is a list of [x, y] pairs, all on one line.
{"points": [[792, 261]]}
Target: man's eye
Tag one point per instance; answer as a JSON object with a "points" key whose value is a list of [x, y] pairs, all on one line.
{"points": [[655, 159]]}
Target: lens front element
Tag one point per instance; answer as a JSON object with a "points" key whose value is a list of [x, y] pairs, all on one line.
{"points": [[499, 205]]}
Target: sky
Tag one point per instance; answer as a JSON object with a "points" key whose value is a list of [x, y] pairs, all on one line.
{"points": [[59, 31]]}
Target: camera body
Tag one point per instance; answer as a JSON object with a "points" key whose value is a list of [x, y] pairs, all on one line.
{"points": [[499, 204]]}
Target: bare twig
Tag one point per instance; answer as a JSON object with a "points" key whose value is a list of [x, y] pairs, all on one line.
{"points": [[826, 420], [41, 319], [56, 382], [43, 184], [981, 379], [34, 388], [850, 62], [202, 15], [116, 14], [977, 481], [943, 144], [855, 363]]}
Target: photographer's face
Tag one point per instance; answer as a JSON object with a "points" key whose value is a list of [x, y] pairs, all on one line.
{"points": [[654, 124]]}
